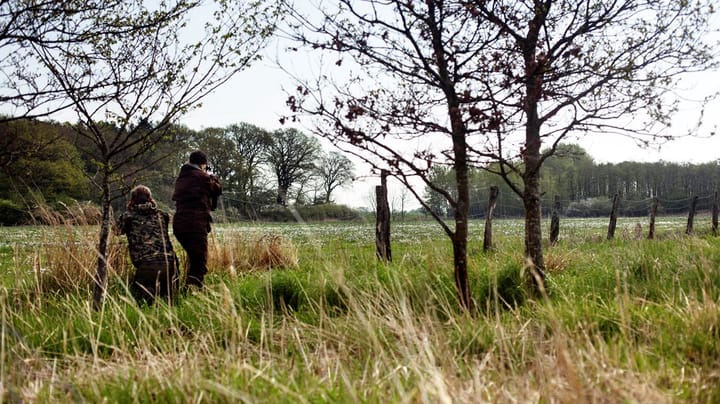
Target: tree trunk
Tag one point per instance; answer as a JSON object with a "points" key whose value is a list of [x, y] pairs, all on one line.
{"points": [[461, 208], [102, 265], [531, 198], [653, 213], [533, 230], [282, 196], [613, 217], [715, 210], [531, 159], [691, 215], [460, 258], [382, 220], [492, 202], [555, 222]]}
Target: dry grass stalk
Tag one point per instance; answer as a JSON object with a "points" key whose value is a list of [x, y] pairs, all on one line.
{"points": [[239, 253], [556, 261], [67, 257]]}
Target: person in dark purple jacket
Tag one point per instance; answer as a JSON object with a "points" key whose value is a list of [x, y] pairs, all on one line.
{"points": [[196, 193]]}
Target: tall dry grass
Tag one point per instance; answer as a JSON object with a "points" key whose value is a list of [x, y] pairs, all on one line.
{"points": [[65, 257], [238, 252]]}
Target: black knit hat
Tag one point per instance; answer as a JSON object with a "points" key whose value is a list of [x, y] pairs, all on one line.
{"points": [[198, 157]]}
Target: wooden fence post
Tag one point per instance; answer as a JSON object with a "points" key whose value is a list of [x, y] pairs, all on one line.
{"points": [[382, 222], [653, 213], [492, 202], [555, 221], [613, 217], [715, 210], [691, 215]]}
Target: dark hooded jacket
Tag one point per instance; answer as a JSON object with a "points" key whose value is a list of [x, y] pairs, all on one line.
{"points": [[195, 195]]}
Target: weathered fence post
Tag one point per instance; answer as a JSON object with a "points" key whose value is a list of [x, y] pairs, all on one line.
{"points": [[555, 221], [613, 217], [492, 202], [382, 222], [715, 210], [691, 215], [653, 213]]}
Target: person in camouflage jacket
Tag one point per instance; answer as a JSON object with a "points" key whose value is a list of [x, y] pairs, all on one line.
{"points": [[151, 252]]}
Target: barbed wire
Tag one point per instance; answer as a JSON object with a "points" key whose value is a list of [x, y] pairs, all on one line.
{"points": [[513, 205]]}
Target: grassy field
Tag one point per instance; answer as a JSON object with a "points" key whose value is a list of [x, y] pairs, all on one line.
{"points": [[305, 313]]}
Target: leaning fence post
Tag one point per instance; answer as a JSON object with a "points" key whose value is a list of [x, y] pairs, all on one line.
{"points": [[492, 202], [691, 215], [715, 210], [382, 222], [555, 221], [653, 213], [613, 217]]}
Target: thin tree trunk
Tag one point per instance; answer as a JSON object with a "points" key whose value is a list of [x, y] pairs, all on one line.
{"points": [[461, 210], [555, 222], [691, 215], [282, 196], [382, 220], [102, 265], [492, 202], [460, 253], [715, 210], [653, 213], [613, 217]]}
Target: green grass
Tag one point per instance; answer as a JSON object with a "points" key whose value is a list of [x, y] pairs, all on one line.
{"points": [[625, 321]]}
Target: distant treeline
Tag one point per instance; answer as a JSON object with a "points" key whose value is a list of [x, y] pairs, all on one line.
{"points": [[44, 164], [585, 189]]}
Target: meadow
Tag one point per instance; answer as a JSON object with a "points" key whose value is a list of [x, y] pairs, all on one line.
{"points": [[304, 312]]}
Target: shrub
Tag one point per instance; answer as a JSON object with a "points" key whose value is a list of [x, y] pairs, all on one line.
{"points": [[286, 291], [11, 214], [591, 207], [310, 213]]}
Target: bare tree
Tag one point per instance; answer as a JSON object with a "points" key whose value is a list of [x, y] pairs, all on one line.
{"points": [[404, 197], [251, 143], [334, 170], [150, 77], [409, 66], [472, 84], [27, 90], [291, 156], [563, 68], [221, 151]]}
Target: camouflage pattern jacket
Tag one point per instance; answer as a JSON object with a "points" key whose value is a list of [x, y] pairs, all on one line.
{"points": [[146, 228]]}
